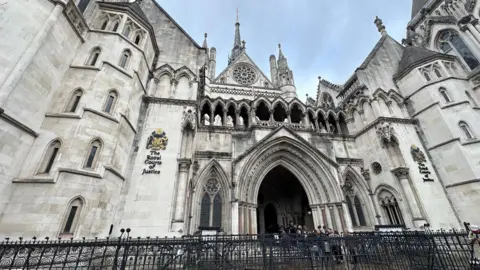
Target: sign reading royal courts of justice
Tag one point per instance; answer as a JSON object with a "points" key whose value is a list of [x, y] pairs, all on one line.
{"points": [[419, 157], [156, 142]]}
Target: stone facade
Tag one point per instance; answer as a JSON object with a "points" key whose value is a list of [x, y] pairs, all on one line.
{"points": [[112, 116]]}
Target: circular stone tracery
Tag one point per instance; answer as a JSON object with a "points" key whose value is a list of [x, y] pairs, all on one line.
{"points": [[212, 186], [244, 74]]}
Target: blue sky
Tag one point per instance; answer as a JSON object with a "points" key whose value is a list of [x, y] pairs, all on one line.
{"points": [[319, 37]]}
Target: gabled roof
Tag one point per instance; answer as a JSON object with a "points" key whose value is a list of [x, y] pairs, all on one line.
{"points": [[239, 59], [379, 44], [414, 56]]}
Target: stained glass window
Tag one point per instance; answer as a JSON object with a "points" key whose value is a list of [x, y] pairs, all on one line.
{"points": [[449, 40]]}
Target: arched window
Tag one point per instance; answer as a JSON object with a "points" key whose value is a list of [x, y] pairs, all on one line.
{"points": [[445, 95], [359, 210], [437, 73], [126, 31], [211, 205], [82, 5], [74, 100], [467, 132], [104, 24], [138, 39], [115, 26], [49, 157], [125, 58], [391, 209], [110, 102], [92, 154], [427, 77], [70, 222], [450, 41], [92, 60], [471, 100], [223, 80]]}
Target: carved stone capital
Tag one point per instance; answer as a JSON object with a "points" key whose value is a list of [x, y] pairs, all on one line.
{"points": [[184, 164], [401, 172], [173, 82], [189, 118], [385, 132]]}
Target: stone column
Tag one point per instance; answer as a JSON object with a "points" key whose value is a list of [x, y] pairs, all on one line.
{"points": [[254, 220], [271, 119], [338, 219], [471, 40], [342, 217], [240, 218], [212, 116], [315, 120], [224, 121], [348, 221], [403, 177], [325, 217], [305, 120], [473, 31], [27, 56], [184, 166], [289, 117], [122, 23], [237, 118], [235, 218], [331, 217], [245, 219]]}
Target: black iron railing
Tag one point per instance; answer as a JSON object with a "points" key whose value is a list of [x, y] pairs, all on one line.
{"points": [[405, 250]]}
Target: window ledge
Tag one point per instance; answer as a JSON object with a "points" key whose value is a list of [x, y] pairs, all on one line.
{"points": [[80, 172], [122, 70], [114, 171], [85, 67], [452, 104], [40, 179], [64, 115], [471, 141], [99, 113]]}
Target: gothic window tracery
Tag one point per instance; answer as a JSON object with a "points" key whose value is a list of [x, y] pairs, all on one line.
{"points": [[211, 205], [327, 100], [390, 208], [449, 41], [354, 205], [243, 74]]}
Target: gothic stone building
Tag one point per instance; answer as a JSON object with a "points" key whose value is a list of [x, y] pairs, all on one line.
{"points": [[112, 116]]}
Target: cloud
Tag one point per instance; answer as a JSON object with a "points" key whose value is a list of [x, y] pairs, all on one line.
{"points": [[319, 38]]}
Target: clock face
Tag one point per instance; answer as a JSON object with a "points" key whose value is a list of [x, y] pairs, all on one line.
{"points": [[244, 74]]}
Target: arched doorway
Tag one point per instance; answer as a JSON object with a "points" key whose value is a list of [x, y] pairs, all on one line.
{"points": [[290, 202]]}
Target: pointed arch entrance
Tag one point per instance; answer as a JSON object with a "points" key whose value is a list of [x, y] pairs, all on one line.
{"points": [[281, 200], [313, 170]]}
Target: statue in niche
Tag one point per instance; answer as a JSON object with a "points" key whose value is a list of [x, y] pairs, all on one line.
{"points": [[206, 120], [229, 121], [240, 121], [285, 121], [218, 120]]}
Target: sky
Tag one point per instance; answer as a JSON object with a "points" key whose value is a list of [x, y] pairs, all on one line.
{"points": [[319, 37]]}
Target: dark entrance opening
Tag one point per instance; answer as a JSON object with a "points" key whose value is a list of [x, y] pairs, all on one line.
{"points": [[271, 223], [281, 200]]}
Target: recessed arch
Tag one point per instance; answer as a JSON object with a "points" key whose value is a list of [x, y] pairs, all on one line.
{"points": [[265, 100], [307, 164]]}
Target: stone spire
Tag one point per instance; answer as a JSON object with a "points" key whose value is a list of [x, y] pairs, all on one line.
{"points": [[205, 42], [285, 74], [237, 43], [381, 28], [280, 53]]}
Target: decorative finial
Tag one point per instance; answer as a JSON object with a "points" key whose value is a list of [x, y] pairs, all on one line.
{"points": [[279, 46], [243, 43], [237, 16], [205, 42], [381, 28]]}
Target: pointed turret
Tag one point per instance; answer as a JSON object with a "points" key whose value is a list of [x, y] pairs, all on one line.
{"points": [[205, 42], [285, 76], [237, 43]]}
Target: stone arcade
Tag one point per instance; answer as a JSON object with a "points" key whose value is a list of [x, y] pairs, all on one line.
{"points": [[112, 116]]}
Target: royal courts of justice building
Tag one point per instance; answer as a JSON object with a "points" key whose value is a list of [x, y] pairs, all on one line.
{"points": [[112, 116]]}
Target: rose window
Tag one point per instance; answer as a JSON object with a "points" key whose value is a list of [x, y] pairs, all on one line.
{"points": [[212, 186], [244, 75]]}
